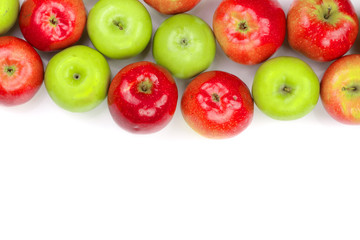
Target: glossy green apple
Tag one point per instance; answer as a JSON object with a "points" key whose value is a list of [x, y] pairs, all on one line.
{"points": [[77, 78], [119, 29], [285, 88], [185, 45], [9, 10]]}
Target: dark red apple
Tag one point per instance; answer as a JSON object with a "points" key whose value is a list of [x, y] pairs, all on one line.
{"points": [[217, 104], [249, 32], [21, 73], [142, 97], [51, 25], [172, 6]]}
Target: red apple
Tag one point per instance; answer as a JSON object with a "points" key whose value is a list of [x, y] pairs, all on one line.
{"points": [[51, 25], [21, 73], [172, 6], [142, 97], [340, 89], [322, 30], [249, 32], [217, 104]]}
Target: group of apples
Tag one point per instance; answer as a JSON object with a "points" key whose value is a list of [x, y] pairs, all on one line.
{"points": [[142, 97]]}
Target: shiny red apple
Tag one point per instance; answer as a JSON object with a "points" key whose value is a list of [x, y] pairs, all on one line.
{"points": [[322, 30], [217, 104], [21, 72], [340, 89], [249, 32], [142, 97], [51, 25], [172, 6]]}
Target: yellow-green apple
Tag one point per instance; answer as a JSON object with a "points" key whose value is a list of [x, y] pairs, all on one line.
{"points": [[9, 10], [77, 78], [51, 25], [142, 97], [172, 6], [21, 73], [119, 29], [217, 105], [285, 88], [340, 89], [185, 45], [322, 30], [249, 32]]}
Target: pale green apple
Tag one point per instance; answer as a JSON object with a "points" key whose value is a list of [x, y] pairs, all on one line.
{"points": [[77, 78], [119, 29], [185, 45], [285, 88], [9, 10]]}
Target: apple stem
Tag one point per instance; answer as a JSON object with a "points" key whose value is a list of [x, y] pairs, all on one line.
{"points": [[76, 76], [327, 15], [353, 89], [10, 70], [287, 89], [215, 97], [243, 26], [53, 21], [118, 24], [145, 86]]}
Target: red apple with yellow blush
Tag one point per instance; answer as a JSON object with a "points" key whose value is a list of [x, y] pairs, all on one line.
{"points": [[249, 32], [170, 7], [52, 25], [340, 89], [322, 30]]}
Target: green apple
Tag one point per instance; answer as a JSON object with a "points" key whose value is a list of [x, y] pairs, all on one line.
{"points": [[77, 78], [9, 10], [185, 45], [119, 29], [285, 88]]}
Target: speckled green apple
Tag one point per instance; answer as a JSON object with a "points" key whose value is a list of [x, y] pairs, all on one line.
{"points": [[9, 10], [285, 88], [119, 29], [77, 78], [185, 45]]}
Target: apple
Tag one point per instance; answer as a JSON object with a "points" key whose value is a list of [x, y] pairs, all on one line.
{"points": [[285, 88], [119, 29], [322, 30], [142, 97], [9, 10], [172, 6], [77, 78], [51, 25], [340, 89], [21, 72], [249, 32], [185, 45], [217, 105]]}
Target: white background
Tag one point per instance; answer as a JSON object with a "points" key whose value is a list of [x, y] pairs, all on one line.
{"points": [[79, 176]]}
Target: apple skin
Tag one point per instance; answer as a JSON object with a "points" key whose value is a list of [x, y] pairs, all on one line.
{"points": [[318, 38], [9, 10], [170, 7], [340, 90], [249, 32], [142, 97], [285, 88], [52, 25], [119, 29], [185, 45], [21, 72], [77, 78], [217, 105]]}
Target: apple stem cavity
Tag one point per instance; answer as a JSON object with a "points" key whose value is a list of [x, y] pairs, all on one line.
{"points": [[243, 27], [351, 89], [184, 42], [76, 76], [53, 21], [145, 86], [10, 70]]}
